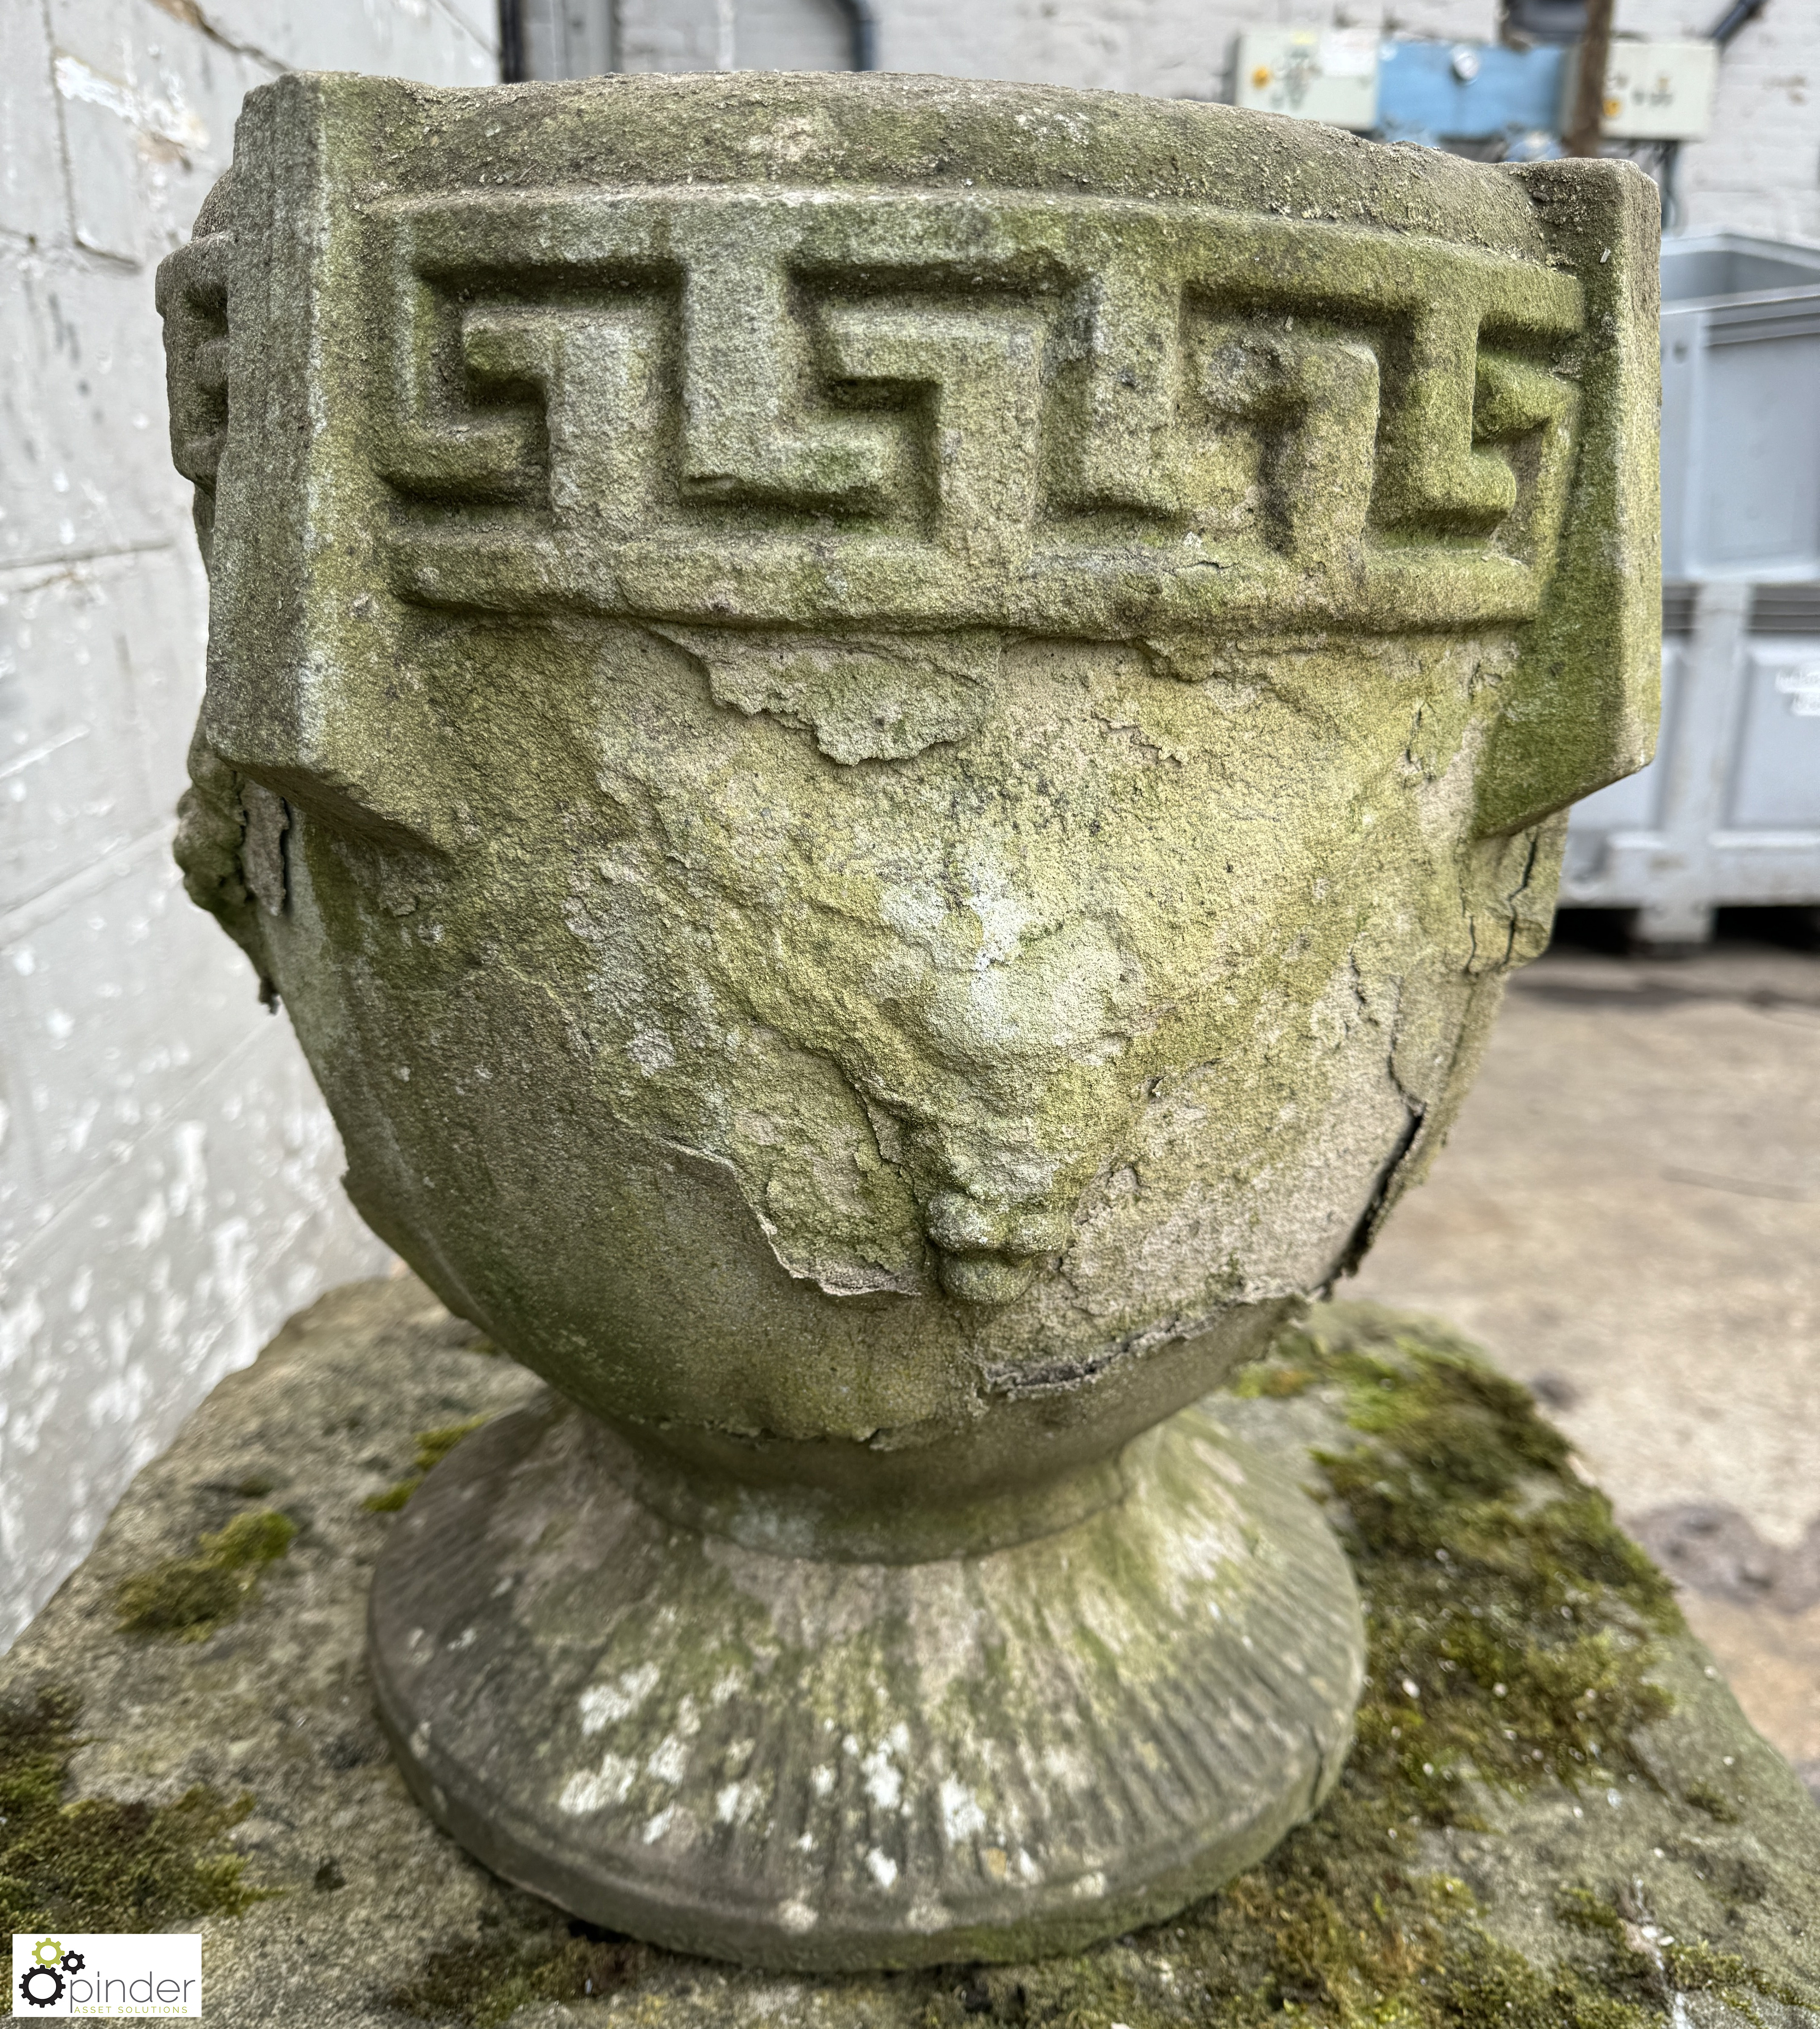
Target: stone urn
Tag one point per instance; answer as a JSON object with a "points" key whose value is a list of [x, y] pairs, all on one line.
{"points": [[888, 738]]}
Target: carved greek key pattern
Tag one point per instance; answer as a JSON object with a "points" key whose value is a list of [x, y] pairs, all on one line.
{"points": [[1087, 415]]}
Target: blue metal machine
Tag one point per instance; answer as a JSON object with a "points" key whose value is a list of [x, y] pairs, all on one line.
{"points": [[1474, 92]]}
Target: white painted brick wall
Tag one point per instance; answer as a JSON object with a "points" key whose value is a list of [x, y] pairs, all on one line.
{"points": [[1759, 171], [168, 1177]]}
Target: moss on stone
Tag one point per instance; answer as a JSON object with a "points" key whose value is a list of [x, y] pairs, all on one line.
{"points": [[191, 1596], [1497, 1584], [1643, 1955], [1508, 1612], [1508, 1620], [479, 1984], [433, 1447], [1716, 1804], [99, 1864]]}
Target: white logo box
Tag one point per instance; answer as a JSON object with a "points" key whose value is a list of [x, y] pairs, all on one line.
{"points": [[120, 1976]]}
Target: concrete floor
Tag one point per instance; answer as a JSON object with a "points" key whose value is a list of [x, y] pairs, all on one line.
{"points": [[1627, 1217]]}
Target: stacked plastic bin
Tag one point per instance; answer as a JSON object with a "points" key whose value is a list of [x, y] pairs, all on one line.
{"points": [[1729, 811]]}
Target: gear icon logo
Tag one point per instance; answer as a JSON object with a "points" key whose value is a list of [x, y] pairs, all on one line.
{"points": [[41, 1985]]}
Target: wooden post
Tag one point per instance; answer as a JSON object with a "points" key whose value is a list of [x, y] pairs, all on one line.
{"points": [[1583, 130]]}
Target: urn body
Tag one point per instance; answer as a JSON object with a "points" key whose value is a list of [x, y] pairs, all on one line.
{"points": [[888, 739]]}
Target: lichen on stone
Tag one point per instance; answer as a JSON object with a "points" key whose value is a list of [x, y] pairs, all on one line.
{"points": [[191, 1596], [101, 1865]]}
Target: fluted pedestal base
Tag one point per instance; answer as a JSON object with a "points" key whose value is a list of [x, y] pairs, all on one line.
{"points": [[821, 1765]]}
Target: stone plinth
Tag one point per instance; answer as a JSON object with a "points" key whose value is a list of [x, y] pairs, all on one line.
{"points": [[1678, 1878]]}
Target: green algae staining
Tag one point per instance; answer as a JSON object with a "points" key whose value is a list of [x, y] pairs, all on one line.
{"points": [[191, 1596], [98, 1863]]}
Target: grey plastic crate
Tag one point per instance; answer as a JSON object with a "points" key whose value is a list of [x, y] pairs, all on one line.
{"points": [[1728, 813], [1740, 408]]}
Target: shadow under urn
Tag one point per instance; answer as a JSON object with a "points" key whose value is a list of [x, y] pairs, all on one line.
{"points": [[888, 738]]}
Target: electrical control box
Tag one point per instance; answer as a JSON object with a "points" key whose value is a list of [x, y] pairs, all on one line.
{"points": [[1327, 74], [1413, 89], [1654, 91]]}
